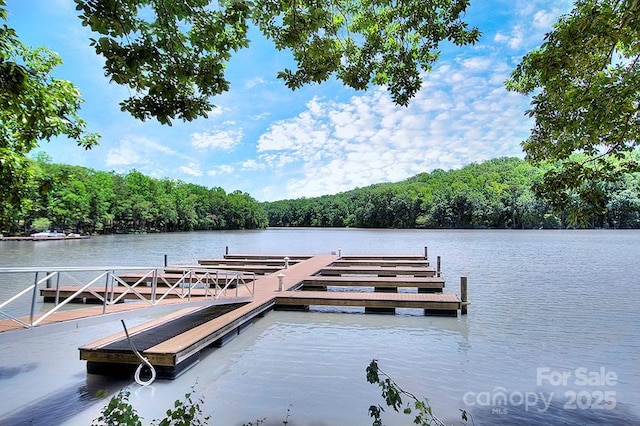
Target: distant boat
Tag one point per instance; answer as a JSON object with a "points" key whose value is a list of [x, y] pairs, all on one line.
{"points": [[47, 236], [55, 235]]}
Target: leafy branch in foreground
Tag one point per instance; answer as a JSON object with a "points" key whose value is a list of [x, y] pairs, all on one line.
{"points": [[119, 411], [392, 394], [173, 54], [585, 86]]}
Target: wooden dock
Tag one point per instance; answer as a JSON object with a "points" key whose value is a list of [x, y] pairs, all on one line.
{"points": [[380, 271], [176, 352], [173, 343], [380, 284], [445, 304]]}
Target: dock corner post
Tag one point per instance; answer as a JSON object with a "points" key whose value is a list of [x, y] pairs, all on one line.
{"points": [[165, 260], [426, 253], [438, 267], [463, 296], [280, 281], [226, 250]]}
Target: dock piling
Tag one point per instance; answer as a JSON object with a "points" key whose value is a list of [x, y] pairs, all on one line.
{"points": [[426, 253], [463, 296], [438, 269], [280, 281]]}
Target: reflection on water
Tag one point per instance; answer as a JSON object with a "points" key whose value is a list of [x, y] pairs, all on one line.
{"points": [[557, 301]]}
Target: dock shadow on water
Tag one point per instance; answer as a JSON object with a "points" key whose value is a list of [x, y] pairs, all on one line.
{"points": [[64, 404]]}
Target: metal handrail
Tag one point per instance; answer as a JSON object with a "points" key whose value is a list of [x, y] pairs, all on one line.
{"points": [[191, 279]]}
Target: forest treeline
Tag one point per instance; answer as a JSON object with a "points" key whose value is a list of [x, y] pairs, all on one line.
{"points": [[74, 198], [493, 194]]}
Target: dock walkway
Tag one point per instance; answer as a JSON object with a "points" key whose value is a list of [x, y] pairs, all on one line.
{"points": [[173, 343], [177, 352]]}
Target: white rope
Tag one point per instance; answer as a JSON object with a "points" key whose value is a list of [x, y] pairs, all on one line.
{"points": [[143, 362]]}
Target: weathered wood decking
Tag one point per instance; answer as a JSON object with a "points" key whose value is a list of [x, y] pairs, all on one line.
{"points": [[175, 348], [388, 284], [177, 352], [432, 302]]}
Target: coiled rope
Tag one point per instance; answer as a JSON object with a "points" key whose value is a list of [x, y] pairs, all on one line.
{"points": [[143, 362]]}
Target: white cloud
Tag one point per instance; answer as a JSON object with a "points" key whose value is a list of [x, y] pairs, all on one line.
{"points": [[192, 169], [544, 19], [514, 40], [136, 150], [253, 165], [221, 170], [255, 82], [221, 139], [462, 115], [217, 111]]}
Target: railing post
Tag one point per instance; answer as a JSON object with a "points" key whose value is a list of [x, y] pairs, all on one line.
{"points": [[226, 250], [57, 289], [463, 296], [33, 300], [154, 286], [106, 292], [426, 253], [438, 263]]}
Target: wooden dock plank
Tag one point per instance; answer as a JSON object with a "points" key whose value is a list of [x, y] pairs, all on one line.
{"points": [[378, 271], [257, 269], [382, 257], [370, 300], [371, 281], [267, 256], [382, 262], [247, 262]]}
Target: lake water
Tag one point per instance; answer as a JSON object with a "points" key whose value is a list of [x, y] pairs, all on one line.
{"points": [[552, 335]]}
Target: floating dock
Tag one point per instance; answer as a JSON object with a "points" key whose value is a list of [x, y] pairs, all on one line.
{"points": [[173, 343]]}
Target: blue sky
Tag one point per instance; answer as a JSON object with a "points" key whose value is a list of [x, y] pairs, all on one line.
{"points": [[275, 143]]}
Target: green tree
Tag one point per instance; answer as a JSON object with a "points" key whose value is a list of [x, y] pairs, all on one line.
{"points": [[173, 53], [585, 82], [34, 107]]}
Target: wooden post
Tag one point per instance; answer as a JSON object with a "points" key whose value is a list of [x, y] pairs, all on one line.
{"points": [[463, 295], [226, 250], [165, 260], [426, 253], [438, 267]]}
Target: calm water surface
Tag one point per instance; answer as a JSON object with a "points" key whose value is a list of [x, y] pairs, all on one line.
{"points": [[551, 336]]}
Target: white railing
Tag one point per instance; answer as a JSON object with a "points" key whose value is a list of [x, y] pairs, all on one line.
{"points": [[112, 285]]}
